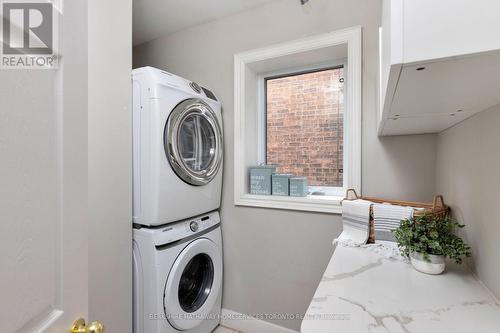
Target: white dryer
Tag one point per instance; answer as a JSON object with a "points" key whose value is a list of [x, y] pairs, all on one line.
{"points": [[177, 148], [178, 276]]}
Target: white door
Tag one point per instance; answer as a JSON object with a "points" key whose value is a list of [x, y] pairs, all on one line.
{"points": [[45, 182]]}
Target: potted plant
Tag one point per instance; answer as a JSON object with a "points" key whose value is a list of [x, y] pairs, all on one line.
{"points": [[428, 239]]}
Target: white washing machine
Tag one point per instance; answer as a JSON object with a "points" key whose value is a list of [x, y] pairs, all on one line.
{"points": [[177, 148], [178, 276]]}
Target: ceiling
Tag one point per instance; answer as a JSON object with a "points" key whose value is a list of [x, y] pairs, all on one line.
{"points": [[156, 18]]}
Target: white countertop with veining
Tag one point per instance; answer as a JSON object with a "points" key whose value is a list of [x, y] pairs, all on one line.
{"points": [[362, 291]]}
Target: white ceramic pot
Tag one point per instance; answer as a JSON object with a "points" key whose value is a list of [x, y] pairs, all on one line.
{"points": [[434, 267]]}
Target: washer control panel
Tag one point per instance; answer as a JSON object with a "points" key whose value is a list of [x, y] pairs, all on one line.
{"points": [[177, 231], [195, 87]]}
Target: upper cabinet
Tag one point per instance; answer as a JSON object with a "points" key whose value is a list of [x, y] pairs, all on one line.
{"points": [[439, 63]]}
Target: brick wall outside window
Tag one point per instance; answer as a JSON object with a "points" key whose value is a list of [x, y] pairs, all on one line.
{"points": [[305, 114]]}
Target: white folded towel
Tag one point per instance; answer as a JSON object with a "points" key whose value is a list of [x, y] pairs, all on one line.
{"points": [[356, 221], [387, 218]]}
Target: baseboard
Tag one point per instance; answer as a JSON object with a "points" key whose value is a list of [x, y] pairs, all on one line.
{"points": [[488, 290], [247, 324]]}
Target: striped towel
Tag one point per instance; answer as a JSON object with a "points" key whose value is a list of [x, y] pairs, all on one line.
{"points": [[387, 218], [356, 221]]}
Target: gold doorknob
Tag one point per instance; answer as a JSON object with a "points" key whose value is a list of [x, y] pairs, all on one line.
{"points": [[80, 327]]}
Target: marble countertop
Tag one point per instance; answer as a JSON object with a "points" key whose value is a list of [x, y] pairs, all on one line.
{"points": [[364, 291]]}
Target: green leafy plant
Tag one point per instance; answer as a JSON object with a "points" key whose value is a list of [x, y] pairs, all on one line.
{"points": [[429, 234]]}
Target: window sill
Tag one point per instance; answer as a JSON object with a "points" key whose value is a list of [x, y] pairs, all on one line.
{"points": [[320, 204]]}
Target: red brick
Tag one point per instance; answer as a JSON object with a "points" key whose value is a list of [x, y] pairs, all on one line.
{"points": [[305, 126]]}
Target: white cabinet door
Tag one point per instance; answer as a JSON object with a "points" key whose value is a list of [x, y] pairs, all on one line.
{"points": [[430, 52], [447, 28]]}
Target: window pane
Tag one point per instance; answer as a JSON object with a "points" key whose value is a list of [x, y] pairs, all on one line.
{"points": [[305, 114]]}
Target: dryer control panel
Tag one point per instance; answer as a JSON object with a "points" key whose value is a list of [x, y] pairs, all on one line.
{"points": [[179, 230]]}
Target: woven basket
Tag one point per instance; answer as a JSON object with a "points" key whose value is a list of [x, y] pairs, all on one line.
{"points": [[437, 208]]}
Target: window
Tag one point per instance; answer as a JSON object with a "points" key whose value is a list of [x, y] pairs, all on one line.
{"points": [[298, 105], [304, 126]]}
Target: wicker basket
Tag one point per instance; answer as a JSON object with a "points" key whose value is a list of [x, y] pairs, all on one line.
{"points": [[437, 208]]}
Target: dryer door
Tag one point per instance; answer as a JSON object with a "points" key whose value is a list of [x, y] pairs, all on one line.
{"points": [[193, 284], [193, 142]]}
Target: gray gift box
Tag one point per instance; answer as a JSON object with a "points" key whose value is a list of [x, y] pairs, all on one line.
{"points": [[260, 179], [281, 183], [298, 187]]}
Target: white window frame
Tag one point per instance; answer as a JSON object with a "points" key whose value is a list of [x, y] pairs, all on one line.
{"points": [[352, 120], [330, 191]]}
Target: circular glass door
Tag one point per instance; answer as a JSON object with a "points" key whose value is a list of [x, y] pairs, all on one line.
{"points": [[196, 283], [193, 142], [193, 284]]}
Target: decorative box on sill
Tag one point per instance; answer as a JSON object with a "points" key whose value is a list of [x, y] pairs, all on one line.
{"points": [[298, 187], [260, 179], [281, 184]]}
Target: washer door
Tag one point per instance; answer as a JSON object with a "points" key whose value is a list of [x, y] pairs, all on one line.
{"points": [[193, 142], [193, 284]]}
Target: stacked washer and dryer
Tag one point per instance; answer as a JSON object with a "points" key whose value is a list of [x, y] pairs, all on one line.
{"points": [[177, 184]]}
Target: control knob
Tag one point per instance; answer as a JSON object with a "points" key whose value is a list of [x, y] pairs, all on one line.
{"points": [[194, 226]]}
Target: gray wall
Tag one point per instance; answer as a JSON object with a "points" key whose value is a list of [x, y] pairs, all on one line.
{"points": [[274, 259], [110, 163], [467, 174]]}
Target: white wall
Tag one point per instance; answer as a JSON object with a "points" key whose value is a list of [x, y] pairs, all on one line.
{"points": [[467, 175], [110, 163], [275, 258]]}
